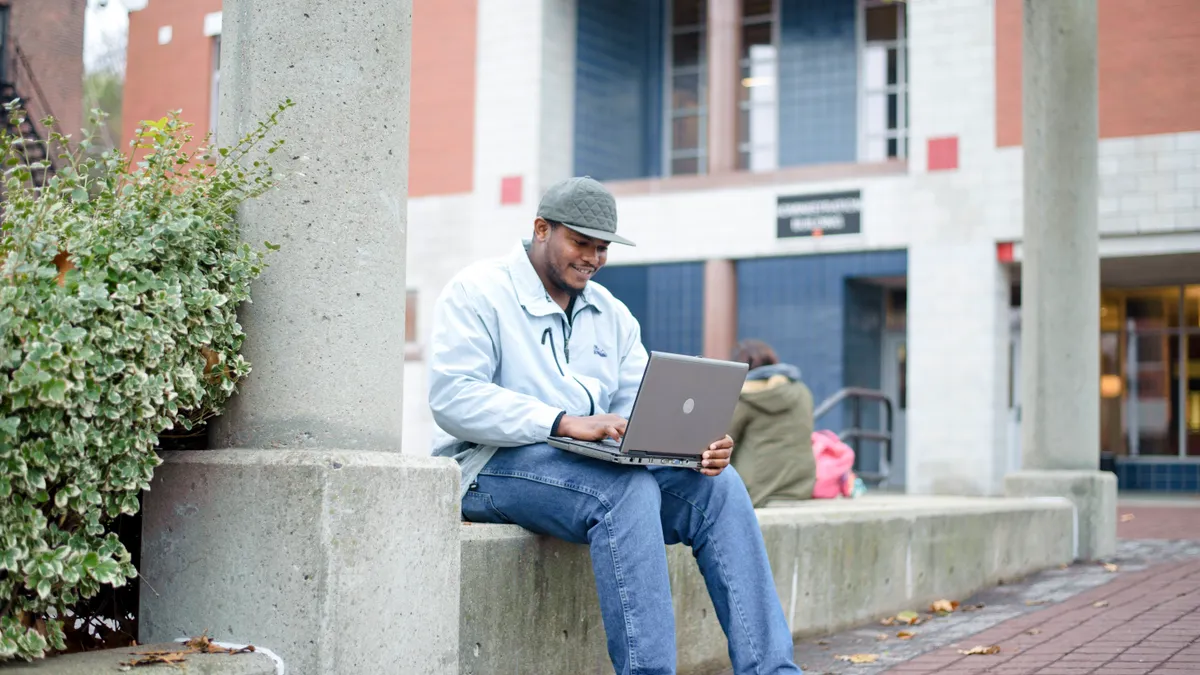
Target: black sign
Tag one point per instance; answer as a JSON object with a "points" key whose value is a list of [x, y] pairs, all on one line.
{"points": [[819, 215]]}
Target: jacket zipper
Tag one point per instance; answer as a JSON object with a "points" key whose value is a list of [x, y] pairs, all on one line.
{"points": [[548, 333], [566, 340]]}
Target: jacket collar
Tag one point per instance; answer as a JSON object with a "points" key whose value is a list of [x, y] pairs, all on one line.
{"points": [[531, 293]]}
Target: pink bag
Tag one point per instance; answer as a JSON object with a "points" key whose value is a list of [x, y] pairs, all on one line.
{"points": [[834, 460]]}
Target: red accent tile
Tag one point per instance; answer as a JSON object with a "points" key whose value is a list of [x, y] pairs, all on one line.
{"points": [[942, 153], [510, 190]]}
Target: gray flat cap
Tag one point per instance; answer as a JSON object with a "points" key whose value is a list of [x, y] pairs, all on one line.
{"points": [[585, 206]]}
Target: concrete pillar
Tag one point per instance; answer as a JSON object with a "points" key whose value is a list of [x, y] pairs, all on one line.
{"points": [[724, 44], [957, 346], [720, 308], [307, 532], [1060, 273]]}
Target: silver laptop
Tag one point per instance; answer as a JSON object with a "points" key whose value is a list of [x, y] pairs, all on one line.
{"points": [[684, 404]]}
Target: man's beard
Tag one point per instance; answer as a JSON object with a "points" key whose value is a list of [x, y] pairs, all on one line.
{"points": [[556, 278]]}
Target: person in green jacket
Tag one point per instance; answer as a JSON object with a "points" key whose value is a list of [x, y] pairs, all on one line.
{"points": [[772, 428]]}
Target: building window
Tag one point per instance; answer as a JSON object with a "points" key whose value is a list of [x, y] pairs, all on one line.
{"points": [[758, 121], [412, 339], [883, 81], [410, 317], [214, 104], [687, 74]]}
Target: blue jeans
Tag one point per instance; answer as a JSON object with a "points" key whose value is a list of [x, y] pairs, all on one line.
{"points": [[625, 514]]}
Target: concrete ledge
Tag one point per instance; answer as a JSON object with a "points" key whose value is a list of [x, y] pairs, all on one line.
{"points": [[529, 602], [342, 561], [108, 661], [1094, 494]]}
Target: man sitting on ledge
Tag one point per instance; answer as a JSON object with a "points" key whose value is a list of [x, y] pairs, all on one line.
{"points": [[525, 348]]}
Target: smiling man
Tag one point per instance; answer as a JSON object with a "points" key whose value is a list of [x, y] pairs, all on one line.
{"points": [[527, 347]]}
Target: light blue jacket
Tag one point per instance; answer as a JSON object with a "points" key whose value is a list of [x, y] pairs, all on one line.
{"points": [[505, 360]]}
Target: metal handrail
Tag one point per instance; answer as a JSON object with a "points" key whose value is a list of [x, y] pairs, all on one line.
{"points": [[40, 96], [855, 433]]}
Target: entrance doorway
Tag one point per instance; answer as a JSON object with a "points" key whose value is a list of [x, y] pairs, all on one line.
{"points": [[1149, 386], [894, 383]]}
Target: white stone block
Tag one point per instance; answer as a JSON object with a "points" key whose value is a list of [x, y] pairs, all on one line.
{"points": [[1119, 224], [1137, 203], [1118, 147], [1187, 221], [1188, 180], [1155, 144], [1140, 163], [1176, 161], [1187, 141], [1109, 166], [1156, 222], [1119, 184], [1176, 201], [1109, 206], [1156, 182]]}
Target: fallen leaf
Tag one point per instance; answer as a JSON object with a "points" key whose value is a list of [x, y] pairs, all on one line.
{"points": [[980, 651], [888, 621], [822, 643], [204, 645], [64, 265], [153, 658], [910, 618], [904, 635], [971, 608], [944, 606], [1031, 603], [1033, 631], [881, 637], [1063, 566], [859, 658], [1109, 567], [1126, 517], [1102, 603]]}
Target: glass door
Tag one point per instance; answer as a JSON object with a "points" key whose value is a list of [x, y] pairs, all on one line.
{"points": [[1190, 372]]}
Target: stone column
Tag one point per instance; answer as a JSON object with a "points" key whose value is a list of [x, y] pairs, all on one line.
{"points": [[724, 43], [307, 532], [720, 308], [1060, 273]]}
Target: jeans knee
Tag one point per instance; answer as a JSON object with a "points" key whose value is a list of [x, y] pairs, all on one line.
{"points": [[636, 488]]}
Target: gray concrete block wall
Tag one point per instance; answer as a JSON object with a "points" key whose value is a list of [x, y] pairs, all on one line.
{"points": [[529, 602]]}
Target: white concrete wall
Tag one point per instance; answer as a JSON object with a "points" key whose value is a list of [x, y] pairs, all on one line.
{"points": [[1150, 184], [957, 291]]}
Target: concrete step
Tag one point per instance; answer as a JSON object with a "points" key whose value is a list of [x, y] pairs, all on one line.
{"points": [[529, 603]]}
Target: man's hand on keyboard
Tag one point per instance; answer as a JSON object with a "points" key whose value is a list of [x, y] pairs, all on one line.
{"points": [[593, 428]]}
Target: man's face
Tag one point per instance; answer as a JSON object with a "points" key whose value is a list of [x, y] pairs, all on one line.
{"points": [[572, 258]]}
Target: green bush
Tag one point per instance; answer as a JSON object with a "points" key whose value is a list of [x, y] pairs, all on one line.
{"points": [[121, 283]]}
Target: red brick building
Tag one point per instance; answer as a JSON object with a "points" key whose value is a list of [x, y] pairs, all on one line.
{"points": [[173, 64], [43, 57]]}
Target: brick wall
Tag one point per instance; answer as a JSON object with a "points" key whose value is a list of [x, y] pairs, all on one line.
{"points": [[1149, 61], [50, 33], [178, 76], [442, 124], [172, 76]]}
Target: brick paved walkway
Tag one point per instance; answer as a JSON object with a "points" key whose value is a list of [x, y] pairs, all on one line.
{"points": [[1146, 521], [1142, 623]]}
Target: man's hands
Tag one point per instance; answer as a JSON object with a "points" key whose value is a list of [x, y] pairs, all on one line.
{"points": [[593, 428], [599, 427], [716, 458]]}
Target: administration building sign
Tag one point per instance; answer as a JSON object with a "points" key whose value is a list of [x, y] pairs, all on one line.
{"points": [[819, 215]]}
